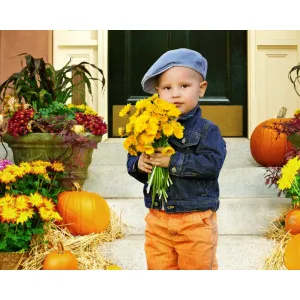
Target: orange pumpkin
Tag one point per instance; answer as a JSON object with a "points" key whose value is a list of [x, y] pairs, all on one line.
{"points": [[292, 221], [60, 260], [83, 212], [292, 253], [265, 148]]}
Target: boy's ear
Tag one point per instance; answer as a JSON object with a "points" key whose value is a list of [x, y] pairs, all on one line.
{"points": [[203, 87], [156, 88]]}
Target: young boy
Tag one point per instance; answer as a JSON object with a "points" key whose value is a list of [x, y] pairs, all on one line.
{"points": [[182, 233]]}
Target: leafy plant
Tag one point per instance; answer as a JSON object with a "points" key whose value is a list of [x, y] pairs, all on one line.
{"points": [[39, 84]]}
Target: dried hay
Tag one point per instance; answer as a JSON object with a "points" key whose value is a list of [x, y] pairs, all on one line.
{"points": [[277, 233], [85, 248]]}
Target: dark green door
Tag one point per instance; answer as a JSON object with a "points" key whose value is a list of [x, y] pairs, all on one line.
{"points": [[131, 53]]}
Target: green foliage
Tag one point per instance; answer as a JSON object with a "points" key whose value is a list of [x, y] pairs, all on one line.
{"points": [[39, 84], [56, 109]]}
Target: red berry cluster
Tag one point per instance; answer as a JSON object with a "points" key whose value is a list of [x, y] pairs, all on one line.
{"points": [[91, 123], [18, 123]]}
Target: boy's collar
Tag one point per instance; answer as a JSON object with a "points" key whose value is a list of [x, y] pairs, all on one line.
{"points": [[191, 113]]}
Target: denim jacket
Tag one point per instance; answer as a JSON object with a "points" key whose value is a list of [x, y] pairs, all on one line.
{"points": [[194, 168]]}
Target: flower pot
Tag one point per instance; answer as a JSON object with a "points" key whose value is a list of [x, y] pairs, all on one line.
{"points": [[45, 146], [12, 260]]}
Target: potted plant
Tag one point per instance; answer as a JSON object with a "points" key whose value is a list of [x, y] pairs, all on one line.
{"points": [[28, 197], [40, 124]]}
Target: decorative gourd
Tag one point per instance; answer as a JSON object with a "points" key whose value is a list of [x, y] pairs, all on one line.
{"points": [[292, 253], [60, 260], [265, 148], [83, 212], [292, 221]]}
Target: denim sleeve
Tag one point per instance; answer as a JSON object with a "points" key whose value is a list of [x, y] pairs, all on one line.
{"points": [[207, 160], [132, 169]]}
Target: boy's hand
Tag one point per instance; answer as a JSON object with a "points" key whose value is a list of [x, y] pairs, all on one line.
{"points": [[160, 160], [144, 163]]}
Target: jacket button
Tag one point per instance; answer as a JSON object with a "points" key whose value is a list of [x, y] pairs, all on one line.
{"points": [[183, 141], [173, 170]]}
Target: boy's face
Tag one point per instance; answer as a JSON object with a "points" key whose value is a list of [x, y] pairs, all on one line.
{"points": [[181, 86]]}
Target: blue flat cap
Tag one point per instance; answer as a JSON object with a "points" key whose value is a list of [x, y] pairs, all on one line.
{"points": [[174, 58]]}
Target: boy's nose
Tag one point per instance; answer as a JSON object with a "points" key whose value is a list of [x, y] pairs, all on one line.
{"points": [[175, 93]]}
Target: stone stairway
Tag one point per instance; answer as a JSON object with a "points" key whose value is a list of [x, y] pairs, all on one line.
{"points": [[246, 206]]}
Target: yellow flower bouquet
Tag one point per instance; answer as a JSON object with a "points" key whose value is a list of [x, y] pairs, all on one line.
{"points": [[149, 128], [28, 197]]}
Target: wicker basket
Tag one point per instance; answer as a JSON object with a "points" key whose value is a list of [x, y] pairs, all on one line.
{"points": [[12, 260]]}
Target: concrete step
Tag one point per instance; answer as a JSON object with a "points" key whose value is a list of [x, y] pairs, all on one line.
{"points": [[240, 216], [112, 153], [114, 182], [238, 252]]}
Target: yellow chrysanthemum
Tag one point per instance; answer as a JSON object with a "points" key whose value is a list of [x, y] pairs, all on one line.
{"points": [[149, 149], [140, 148], [131, 140], [158, 136], [8, 214], [38, 163], [178, 129], [7, 177], [25, 166], [55, 216], [132, 151], [168, 129], [168, 151], [46, 177], [58, 166], [22, 202], [125, 110], [141, 124], [39, 170], [141, 104], [17, 171], [289, 171], [49, 204], [89, 111], [152, 127], [164, 119], [45, 214], [36, 199], [174, 112], [121, 131], [297, 111], [23, 217], [7, 200], [30, 212], [146, 139], [129, 127]]}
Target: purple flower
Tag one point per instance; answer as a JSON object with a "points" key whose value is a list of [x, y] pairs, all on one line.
{"points": [[4, 163]]}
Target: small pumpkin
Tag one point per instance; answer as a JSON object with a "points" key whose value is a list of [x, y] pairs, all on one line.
{"points": [[292, 221], [113, 267], [60, 259], [83, 212], [266, 149], [292, 253]]}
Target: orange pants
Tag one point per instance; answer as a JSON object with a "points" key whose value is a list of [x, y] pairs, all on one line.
{"points": [[181, 241]]}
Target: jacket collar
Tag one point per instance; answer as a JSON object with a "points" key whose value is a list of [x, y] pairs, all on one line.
{"points": [[191, 113]]}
